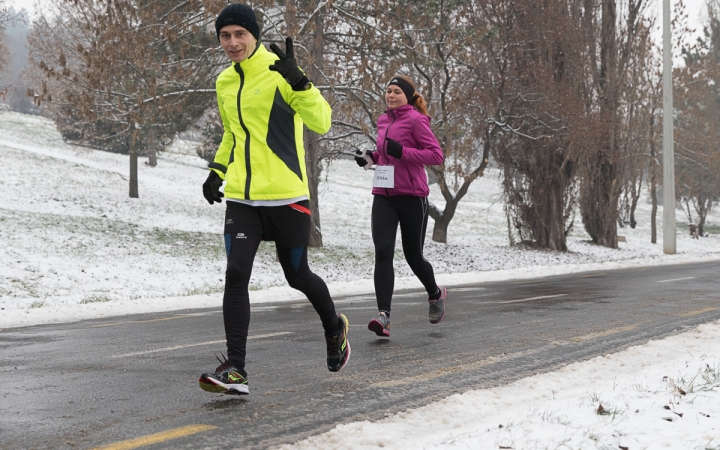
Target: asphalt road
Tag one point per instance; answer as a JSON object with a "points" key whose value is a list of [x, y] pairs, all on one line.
{"points": [[131, 381]]}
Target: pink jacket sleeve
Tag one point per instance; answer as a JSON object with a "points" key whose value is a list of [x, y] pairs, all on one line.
{"points": [[429, 152]]}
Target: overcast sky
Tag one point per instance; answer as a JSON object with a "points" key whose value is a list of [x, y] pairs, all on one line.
{"points": [[696, 16], [695, 7]]}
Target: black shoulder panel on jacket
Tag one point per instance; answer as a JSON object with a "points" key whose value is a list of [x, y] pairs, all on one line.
{"points": [[281, 133]]}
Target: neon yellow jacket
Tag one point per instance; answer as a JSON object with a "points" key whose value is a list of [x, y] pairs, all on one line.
{"points": [[262, 156]]}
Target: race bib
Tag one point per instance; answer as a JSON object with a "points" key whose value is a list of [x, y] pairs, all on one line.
{"points": [[384, 177]]}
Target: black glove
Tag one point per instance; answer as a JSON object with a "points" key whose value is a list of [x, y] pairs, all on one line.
{"points": [[394, 148], [211, 188], [287, 66], [360, 159]]}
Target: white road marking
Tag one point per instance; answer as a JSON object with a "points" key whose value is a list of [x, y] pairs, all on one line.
{"points": [[534, 298], [408, 294], [177, 347], [466, 289], [676, 279], [357, 299]]}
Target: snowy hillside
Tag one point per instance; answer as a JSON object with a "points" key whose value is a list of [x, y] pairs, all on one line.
{"points": [[74, 246], [69, 233]]}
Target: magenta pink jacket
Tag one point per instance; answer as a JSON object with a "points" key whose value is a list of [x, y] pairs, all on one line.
{"points": [[420, 149]]}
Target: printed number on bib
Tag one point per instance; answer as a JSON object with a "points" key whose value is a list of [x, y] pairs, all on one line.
{"points": [[384, 177]]}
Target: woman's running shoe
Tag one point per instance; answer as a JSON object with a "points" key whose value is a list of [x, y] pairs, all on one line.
{"points": [[437, 307], [380, 324]]}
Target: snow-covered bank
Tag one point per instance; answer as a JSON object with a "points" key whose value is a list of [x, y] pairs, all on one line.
{"points": [[10, 318], [74, 246], [662, 395]]}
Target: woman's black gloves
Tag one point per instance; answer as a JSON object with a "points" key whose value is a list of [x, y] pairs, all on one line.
{"points": [[211, 188], [363, 159], [360, 159], [394, 148]]}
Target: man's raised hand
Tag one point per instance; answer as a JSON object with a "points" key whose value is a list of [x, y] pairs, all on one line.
{"points": [[287, 65]]}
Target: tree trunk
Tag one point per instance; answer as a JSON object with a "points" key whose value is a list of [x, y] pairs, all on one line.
{"points": [[689, 213], [313, 173], [152, 150], [313, 153], [633, 190], [653, 181], [442, 219], [599, 204], [637, 189], [133, 170], [439, 233], [702, 211], [653, 214], [549, 231]]}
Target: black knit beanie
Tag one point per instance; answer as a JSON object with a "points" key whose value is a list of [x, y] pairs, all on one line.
{"points": [[406, 87], [238, 14]]}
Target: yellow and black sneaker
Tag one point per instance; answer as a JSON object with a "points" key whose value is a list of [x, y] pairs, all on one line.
{"points": [[225, 380], [338, 346]]}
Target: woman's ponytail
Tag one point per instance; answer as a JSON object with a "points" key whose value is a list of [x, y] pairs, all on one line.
{"points": [[417, 101]]}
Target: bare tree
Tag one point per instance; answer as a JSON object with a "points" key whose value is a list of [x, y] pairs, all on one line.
{"points": [[545, 128], [313, 37], [4, 57], [134, 70], [432, 42], [354, 48], [698, 123], [8, 17], [452, 69], [638, 106], [654, 173], [613, 33]]}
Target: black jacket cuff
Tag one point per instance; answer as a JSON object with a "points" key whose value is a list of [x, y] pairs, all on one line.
{"points": [[300, 85]]}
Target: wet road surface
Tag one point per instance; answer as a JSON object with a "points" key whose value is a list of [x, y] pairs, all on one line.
{"points": [[131, 381]]}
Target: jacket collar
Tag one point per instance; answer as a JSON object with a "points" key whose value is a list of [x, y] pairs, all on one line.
{"points": [[401, 110], [255, 60]]}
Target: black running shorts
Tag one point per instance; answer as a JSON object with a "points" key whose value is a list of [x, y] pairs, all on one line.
{"points": [[287, 225]]}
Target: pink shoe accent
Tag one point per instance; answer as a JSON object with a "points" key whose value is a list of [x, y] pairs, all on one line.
{"points": [[376, 327]]}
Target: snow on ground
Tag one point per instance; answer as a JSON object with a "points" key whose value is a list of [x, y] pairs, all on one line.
{"points": [[74, 246], [662, 395]]}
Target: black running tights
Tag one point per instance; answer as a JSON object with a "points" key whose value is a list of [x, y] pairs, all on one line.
{"points": [[412, 215], [236, 301]]}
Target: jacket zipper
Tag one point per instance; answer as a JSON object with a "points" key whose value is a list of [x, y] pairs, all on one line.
{"points": [[387, 132], [248, 170], [232, 151]]}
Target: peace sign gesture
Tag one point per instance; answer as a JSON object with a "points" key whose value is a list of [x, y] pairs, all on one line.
{"points": [[287, 65]]}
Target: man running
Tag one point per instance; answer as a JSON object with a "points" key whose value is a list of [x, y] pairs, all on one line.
{"points": [[264, 100]]}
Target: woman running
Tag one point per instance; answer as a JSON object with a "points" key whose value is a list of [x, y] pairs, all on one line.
{"points": [[405, 145]]}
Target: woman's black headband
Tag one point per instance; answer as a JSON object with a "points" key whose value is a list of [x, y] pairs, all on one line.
{"points": [[404, 86]]}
